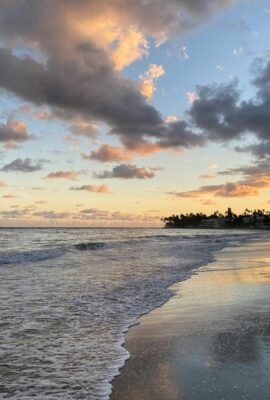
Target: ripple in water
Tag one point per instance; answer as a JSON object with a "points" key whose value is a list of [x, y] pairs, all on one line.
{"points": [[62, 319]]}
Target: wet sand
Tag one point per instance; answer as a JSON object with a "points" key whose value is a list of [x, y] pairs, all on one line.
{"points": [[211, 341]]}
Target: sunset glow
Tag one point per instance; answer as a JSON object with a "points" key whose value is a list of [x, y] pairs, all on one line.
{"points": [[120, 112]]}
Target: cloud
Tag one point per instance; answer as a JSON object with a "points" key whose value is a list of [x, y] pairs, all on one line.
{"points": [[260, 150], [108, 153], [254, 179], [191, 96], [132, 46], [222, 116], [9, 196], [13, 132], [214, 111], [105, 20], [237, 189], [184, 53], [126, 171], [208, 202], [84, 129], [69, 175], [78, 48], [24, 165], [101, 95], [257, 169], [171, 118], [51, 214], [238, 51], [43, 115], [12, 214], [92, 188], [220, 67], [84, 216], [93, 214], [90, 211], [148, 79]]}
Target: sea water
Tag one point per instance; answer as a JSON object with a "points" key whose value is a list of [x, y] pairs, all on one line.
{"points": [[67, 296]]}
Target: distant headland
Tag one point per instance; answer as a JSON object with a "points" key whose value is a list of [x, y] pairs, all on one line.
{"points": [[256, 219]]}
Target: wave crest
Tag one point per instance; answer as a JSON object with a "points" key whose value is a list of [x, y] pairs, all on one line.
{"points": [[30, 256], [90, 246]]}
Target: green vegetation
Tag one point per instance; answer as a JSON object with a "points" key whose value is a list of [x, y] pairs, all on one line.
{"points": [[247, 219]]}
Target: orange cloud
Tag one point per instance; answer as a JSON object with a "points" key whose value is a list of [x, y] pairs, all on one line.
{"points": [[244, 188], [237, 190], [108, 153], [43, 115], [147, 80], [171, 118], [17, 126], [131, 47], [69, 175]]}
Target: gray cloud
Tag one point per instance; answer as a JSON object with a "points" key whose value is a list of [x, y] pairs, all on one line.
{"points": [[78, 77], [26, 165], [107, 153], [42, 20], [89, 211], [13, 132], [92, 188], [259, 168], [260, 150], [215, 111], [220, 114], [10, 214], [51, 214], [126, 171], [83, 129]]}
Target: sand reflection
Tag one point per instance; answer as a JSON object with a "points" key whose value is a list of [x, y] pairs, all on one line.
{"points": [[211, 341]]}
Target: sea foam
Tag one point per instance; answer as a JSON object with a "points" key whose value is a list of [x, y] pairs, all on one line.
{"points": [[63, 319]]}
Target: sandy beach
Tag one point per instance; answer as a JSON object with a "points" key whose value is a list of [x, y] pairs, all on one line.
{"points": [[211, 341]]}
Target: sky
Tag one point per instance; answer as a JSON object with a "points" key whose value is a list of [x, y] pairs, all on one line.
{"points": [[121, 112]]}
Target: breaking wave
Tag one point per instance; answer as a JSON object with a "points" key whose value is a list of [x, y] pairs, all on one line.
{"points": [[30, 256], [90, 246]]}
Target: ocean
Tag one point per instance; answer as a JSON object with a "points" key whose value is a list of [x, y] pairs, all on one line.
{"points": [[67, 297]]}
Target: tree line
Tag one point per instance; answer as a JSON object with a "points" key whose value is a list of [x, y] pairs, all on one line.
{"points": [[248, 218]]}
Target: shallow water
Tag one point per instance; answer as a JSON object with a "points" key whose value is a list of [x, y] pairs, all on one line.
{"points": [[68, 295], [211, 341]]}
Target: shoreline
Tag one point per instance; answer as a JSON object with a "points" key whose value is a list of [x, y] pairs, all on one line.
{"points": [[225, 228], [153, 371]]}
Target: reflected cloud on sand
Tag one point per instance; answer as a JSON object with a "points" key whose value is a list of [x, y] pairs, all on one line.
{"points": [[211, 341]]}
